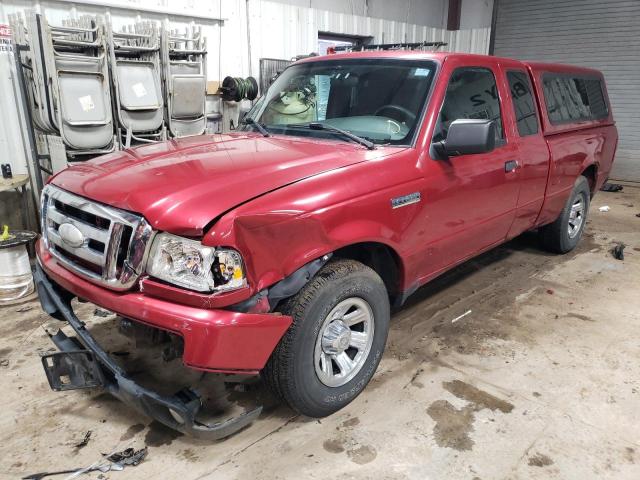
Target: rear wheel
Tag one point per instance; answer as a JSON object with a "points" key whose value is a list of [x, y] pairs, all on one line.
{"points": [[565, 232], [336, 340]]}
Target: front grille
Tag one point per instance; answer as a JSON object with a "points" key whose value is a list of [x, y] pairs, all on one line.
{"points": [[105, 245]]}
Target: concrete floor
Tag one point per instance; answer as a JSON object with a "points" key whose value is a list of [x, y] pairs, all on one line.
{"points": [[540, 380]]}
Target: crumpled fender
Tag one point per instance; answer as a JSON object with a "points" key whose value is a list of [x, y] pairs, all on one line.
{"points": [[286, 229]]}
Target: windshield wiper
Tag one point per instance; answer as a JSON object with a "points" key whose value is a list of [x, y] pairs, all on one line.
{"points": [[259, 126], [338, 131]]}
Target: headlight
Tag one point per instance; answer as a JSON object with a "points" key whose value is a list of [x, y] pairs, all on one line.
{"points": [[190, 264]]}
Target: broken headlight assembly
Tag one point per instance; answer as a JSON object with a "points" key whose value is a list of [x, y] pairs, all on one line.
{"points": [[189, 264]]}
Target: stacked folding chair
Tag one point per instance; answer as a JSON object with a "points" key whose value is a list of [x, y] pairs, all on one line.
{"points": [[68, 82], [90, 90], [136, 77], [40, 98], [184, 57]]}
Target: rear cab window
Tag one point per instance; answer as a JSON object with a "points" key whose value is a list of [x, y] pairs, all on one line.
{"points": [[573, 98], [569, 97]]}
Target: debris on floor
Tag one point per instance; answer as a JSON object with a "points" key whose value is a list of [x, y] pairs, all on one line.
{"points": [[618, 251], [129, 456], [38, 476], [519, 339], [112, 462], [120, 353], [611, 187], [101, 312], [85, 440], [459, 317], [604, 208]]}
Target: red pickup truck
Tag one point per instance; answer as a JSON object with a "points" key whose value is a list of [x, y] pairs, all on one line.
{"points": [[278, 249]]}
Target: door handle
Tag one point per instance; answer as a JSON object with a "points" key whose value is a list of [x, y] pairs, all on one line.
{"points": [[511, 166]]}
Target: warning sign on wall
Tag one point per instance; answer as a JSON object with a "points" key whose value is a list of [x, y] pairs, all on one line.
{"points": [[5, 38]]}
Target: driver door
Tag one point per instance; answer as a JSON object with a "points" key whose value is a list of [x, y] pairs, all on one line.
{"points": [[471, 198]]}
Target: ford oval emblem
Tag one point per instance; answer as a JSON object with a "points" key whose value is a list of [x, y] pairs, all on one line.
{"points": [[71, 235]]}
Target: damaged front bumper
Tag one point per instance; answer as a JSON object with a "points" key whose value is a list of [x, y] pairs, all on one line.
{"points": [[82, 363]]}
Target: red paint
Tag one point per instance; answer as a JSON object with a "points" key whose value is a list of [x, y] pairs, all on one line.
{"points": [[283, 201], [181, 185], [573, 146], [214, 340]]}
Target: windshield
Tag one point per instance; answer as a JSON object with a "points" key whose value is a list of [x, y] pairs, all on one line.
{"points": [[380, 100]]}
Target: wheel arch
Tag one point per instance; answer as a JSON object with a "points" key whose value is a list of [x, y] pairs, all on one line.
{"points": [[381, 258], [590, 172]]}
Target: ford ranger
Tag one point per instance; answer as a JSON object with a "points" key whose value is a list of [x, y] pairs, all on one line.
{"points": [[280, 248]]}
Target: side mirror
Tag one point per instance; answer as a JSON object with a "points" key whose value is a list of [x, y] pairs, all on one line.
{"points": [[467, 137]]}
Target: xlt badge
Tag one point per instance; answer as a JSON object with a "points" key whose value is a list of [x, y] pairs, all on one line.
{"points": [[404, 200]]}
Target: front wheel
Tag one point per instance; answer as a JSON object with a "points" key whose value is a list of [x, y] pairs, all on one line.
{"points": [[565, 232], [336, 340]]}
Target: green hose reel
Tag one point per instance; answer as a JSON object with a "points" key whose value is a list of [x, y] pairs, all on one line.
{"points": [[237, 88]]}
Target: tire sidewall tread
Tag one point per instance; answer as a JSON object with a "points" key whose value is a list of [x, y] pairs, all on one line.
{"points": [[555, 236], [290, 371]]}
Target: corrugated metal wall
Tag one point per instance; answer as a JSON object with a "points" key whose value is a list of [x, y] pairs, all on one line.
{"points": [[423, 12], [276, 30], [592, 33], [57, 10], [283, 31]]}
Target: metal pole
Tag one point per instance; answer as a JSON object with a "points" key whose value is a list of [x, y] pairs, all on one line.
{"points": [[35, 162], [494, 22], [248, 36]]}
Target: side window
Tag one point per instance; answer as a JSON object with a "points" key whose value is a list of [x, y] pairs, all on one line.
{"points": [[472, 93], [570, 98], [523, 103], [595, 95]]}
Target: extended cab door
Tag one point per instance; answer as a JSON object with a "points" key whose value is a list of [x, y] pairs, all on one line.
{"points": [[533, 151], [471, 199]]}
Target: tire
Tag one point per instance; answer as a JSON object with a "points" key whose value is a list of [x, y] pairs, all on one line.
{"points": [[558, 236], [291, 371]]}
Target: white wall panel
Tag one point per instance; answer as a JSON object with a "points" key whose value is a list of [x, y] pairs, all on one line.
{"points": [[278, 30], [281, 30], [124, 12], [11, 149], [423, 12]]}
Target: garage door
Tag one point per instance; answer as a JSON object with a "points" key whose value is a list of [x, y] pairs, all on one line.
{"points": [[592, 33]]}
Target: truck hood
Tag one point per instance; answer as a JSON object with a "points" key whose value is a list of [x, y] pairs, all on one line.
{"points": [[182, 185]]}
